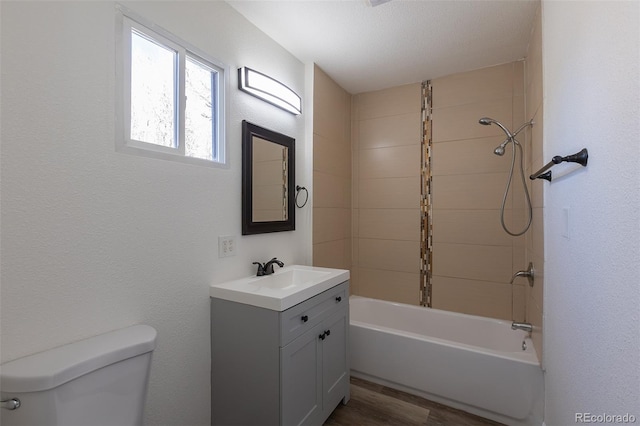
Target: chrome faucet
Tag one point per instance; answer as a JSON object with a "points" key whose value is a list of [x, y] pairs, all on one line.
{"points": [[529, 273], [525, 326], [267, 268]]}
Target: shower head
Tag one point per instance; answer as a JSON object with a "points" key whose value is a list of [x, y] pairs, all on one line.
{"points": [[485, 121], [500, 148]]}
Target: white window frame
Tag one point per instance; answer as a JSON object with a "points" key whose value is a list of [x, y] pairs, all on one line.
{"points": [[126, 21]]}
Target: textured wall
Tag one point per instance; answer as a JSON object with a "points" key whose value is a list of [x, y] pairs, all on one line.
{"points": [[473, 257], [94, 240], [592, 226]]}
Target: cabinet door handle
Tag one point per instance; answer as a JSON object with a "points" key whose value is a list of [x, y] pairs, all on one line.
{"points": [[304, 318], [339, 299], [328, 332], [323, 335]]}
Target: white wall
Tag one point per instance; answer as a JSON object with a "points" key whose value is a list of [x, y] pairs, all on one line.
{"points": [[592, 284], [93, 239]]}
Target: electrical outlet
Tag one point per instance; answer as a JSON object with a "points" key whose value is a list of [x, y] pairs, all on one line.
{"points": [[227, 246]]}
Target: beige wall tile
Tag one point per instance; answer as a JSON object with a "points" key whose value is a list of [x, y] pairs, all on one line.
{"points": [[394, 101], [390, 224], [330, 254], [354, 281], [331, 191], [533, 98], [469, 227], [535, 317], [402, 256], [535, 237], [395, 130], [355, 222], [536, 138], [390, 193], [468, 156], [519, 263], [400, 161], [472, 297], [332, 157], [469, 192], [474, 86], [395, 286], [331, 224], [533, 64], [519, 117], [332, 107], [474, 262], [519, 83], [461, 122], [519, 304]]}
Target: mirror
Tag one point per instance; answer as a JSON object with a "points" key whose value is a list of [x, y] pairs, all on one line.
{"points": [[268, 170]]}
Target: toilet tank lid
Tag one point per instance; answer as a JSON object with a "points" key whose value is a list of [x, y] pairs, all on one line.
{"points": [[54, 367]]}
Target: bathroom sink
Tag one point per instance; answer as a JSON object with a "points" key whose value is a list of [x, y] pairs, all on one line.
{"points": [[281, 290]]}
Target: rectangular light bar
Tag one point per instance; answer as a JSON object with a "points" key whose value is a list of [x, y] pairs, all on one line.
{"points": [[269, 90]]}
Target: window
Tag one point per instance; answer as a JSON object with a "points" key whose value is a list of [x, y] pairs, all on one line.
{"points": [[171, 96]]}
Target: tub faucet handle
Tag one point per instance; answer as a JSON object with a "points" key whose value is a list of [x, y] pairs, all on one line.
{"points": [[529, 273]]}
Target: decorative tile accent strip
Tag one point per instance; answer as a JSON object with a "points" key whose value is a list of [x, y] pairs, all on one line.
{"points": [[426, 230]]}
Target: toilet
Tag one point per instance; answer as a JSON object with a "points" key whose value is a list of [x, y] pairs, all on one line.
{"points": [[100, 381]]}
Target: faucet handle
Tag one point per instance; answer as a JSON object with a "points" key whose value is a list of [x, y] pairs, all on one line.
{"points": [[261, 270], [529, 273]]}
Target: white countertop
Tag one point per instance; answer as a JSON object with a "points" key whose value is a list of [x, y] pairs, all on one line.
{"points": [[281, 290]]}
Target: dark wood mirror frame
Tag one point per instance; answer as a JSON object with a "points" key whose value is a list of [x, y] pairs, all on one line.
{"points": [[249, 226]]}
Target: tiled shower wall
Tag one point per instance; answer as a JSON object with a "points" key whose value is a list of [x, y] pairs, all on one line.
{"points": [[331, 173], [386, 140], [535, 237], [473, 258]]}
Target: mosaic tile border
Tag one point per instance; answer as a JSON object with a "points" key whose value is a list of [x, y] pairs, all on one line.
{"points": [[426, 227]]}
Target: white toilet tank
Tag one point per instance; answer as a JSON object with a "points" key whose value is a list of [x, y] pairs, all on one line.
{"points": [[100, 381]]}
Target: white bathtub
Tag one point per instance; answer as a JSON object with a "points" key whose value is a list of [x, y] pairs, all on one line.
{"points": [[472, 363]]}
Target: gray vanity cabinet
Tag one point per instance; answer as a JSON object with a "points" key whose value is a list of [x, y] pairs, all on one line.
{"points": [[280, 368]]}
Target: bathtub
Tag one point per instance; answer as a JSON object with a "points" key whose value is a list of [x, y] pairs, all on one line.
{"points": [[471, 363]]}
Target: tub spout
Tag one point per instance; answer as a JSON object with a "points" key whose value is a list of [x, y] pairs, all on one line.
{"points": [[522, 326]]}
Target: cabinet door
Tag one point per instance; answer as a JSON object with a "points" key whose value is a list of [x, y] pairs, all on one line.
{"points": [[335, 377], [301, 382]]}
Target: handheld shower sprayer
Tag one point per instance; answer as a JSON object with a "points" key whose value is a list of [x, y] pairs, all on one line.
{"points": [[499, 150]]}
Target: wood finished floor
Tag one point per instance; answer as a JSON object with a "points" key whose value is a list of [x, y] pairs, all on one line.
{"points": [[376, 405]]}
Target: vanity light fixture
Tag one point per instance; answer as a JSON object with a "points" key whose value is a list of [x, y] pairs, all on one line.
{"points": [[269, 89]]}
